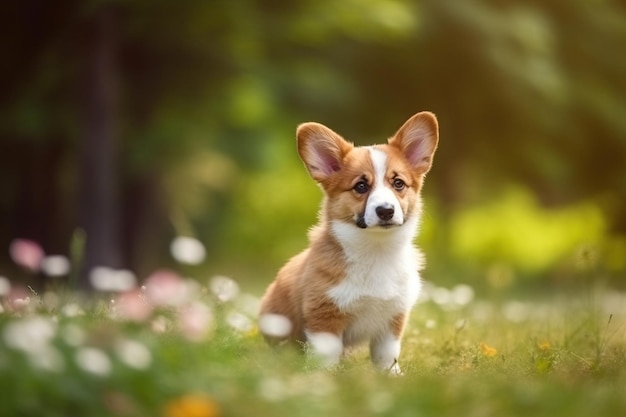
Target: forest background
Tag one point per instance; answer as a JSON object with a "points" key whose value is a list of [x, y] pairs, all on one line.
{"points": [[139, 121]]}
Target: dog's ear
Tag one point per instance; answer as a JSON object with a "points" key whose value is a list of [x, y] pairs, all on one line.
{"points": [[417, 140], [321, 149]]}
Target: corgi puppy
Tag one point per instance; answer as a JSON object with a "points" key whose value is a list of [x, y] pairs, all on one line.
{"points": [[359, 278]]}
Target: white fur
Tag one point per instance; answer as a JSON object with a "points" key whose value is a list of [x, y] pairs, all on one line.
{"points": [[381, 193], [381, 279], [371, 319], [326, 347], [385, 351], [382, 265]]}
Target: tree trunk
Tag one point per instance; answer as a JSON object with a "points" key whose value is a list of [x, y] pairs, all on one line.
{"points": [[99, 189]]}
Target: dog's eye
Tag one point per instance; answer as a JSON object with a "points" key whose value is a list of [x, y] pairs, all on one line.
{"points": [[398, 184], [361, 187]]}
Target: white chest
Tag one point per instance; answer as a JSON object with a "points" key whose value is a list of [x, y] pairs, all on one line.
{"points": [[381, 278], [393, 279], [380, 283]]}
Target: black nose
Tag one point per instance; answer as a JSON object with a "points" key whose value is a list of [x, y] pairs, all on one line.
{"points": [[384, 212]]}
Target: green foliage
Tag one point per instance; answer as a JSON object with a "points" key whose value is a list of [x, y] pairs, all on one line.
{"points": [[206, 96], [515, 230]]}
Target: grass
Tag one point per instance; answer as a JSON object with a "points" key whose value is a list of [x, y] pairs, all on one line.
{"points": [[62, 355]]}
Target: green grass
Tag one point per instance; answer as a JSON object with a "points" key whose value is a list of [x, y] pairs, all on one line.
{"points": [[557, 356]]}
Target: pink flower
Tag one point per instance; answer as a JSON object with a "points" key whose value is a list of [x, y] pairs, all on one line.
{"points": [[166, 288], [18, 299], [26, 253], [196, 321], [132, 306]]}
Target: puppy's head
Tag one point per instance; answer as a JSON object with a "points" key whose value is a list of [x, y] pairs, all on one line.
{"points": [[373, 187]]}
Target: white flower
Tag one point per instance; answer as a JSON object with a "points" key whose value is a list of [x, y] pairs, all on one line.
{"points": [[55, 265], [239, 321], [73, 335], [108, 279], [273, 389], [248, 304], [224, 288], [5, 286], [516, 311], [72, 310], [94, 361], [440, 296], [462, 294], [48, 359], [29, 335], [133, 354], [274, 325], [188, 250]]}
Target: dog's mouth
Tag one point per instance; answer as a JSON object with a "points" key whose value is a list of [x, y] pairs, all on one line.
{"points": [[360, 222], [383, 224]]}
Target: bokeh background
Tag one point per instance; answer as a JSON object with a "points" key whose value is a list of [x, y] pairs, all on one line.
{"points": [[139, 121]]}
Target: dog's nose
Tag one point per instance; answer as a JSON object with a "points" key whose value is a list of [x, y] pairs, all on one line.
{"points": [[384, 212]]}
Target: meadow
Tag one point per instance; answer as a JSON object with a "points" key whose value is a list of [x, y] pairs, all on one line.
{"points": [[128, 123], [179, 347]]}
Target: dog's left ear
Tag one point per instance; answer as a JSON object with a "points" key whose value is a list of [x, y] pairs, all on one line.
{"points": [[417, 139], [321, 149]]}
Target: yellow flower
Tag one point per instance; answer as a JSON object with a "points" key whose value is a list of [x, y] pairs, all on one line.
{"points": [[487, 350], [253, 332], [191, 405], [545, 345]]}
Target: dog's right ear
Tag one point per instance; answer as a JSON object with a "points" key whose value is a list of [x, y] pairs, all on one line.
{"points": [[417, 139], [321, 149]]}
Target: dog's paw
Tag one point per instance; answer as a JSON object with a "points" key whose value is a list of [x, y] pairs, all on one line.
{"points": [[325, 347]]}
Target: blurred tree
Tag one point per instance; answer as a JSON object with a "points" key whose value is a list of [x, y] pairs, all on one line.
{"points": [[37, 103], [141, 119], [99, 207]]}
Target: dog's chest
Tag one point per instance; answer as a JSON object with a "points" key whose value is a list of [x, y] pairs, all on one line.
{"points": [[375, 289], [370, 318]]}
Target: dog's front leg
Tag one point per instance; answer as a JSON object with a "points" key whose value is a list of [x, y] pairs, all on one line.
{"points": [[324, 332], [385, 348], [384, 352], [326, 347]]}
